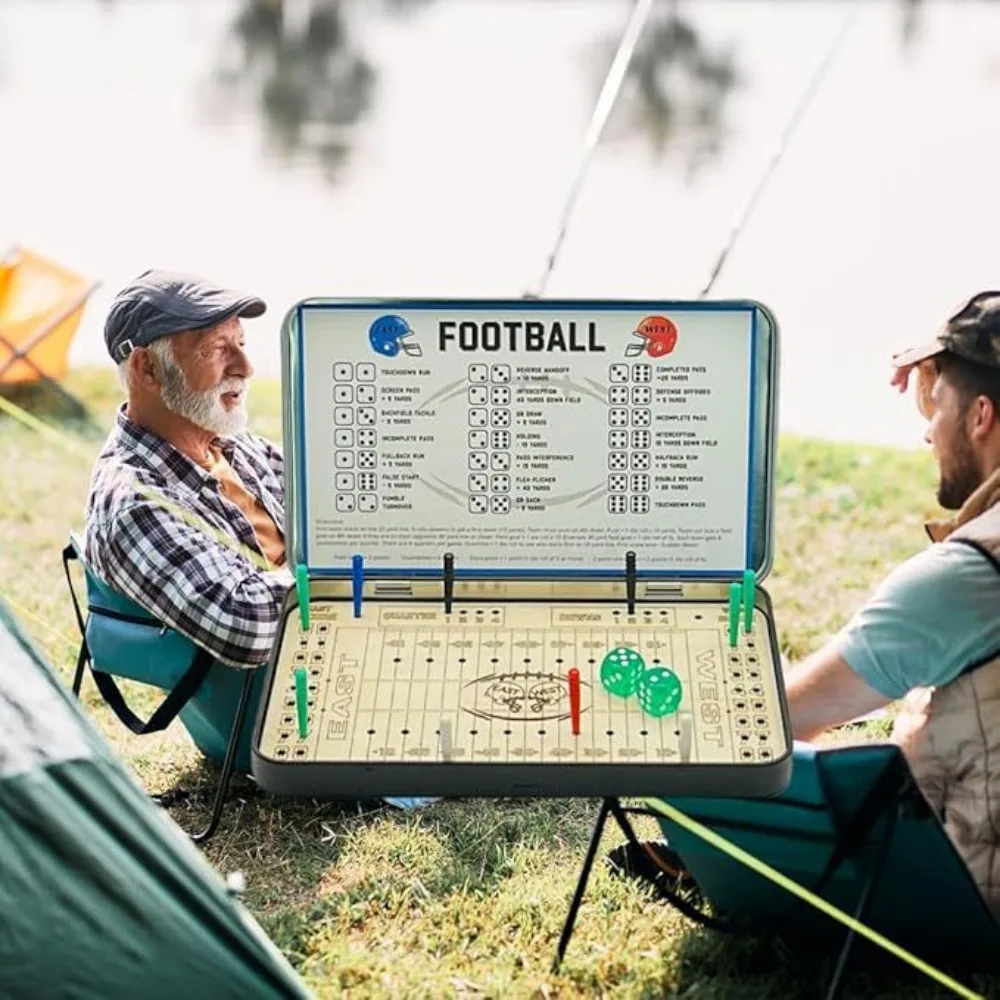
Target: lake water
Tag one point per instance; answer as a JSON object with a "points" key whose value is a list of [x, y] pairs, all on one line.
{"points": [[426, 147]]}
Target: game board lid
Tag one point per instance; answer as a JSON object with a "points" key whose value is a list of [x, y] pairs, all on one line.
{"points": [[530, 438]]}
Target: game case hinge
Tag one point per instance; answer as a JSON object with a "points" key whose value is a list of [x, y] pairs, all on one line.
{"points": [[665, 591]]}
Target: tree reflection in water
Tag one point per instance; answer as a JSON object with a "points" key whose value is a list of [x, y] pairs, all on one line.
{"points": [[304, 68], [676, 91], [303, 65], [306, 75]]}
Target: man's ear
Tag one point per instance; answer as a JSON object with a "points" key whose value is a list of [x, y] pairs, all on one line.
{"points": [[983, 418], [142, 368]]}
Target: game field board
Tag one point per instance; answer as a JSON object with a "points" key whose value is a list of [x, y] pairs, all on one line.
{"points": [[407, 699], [519, 530]]}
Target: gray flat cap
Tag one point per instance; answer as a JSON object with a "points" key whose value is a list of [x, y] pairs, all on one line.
{"points": [[160, 303]]}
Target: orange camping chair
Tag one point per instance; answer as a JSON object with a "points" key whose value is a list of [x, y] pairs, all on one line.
{"points": [[41, 306]]}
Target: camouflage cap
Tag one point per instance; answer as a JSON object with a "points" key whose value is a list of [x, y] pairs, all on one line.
{"points": [[972, 333]]}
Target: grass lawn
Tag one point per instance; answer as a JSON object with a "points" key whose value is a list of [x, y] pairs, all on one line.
{"points": [[467, 898]]}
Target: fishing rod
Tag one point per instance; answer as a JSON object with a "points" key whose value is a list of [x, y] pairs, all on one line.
{"points": [[607, 100], [798, 114]]}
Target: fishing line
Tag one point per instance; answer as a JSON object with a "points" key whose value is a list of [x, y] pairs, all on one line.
{"points": [[808, 95], [609, 96], [602, 111]]}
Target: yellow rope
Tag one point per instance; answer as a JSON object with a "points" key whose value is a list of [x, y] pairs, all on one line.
{"points": [[31, 421], [709, 835], [25, 613]]}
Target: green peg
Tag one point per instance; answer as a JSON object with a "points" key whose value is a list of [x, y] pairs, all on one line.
{"points": [[749, 586], [734, 612], [302, 700], [302, 592]]}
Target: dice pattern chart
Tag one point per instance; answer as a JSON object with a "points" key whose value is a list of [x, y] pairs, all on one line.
{"points": [[489, 416], [355, 438], [629, 438], [489, 419]]}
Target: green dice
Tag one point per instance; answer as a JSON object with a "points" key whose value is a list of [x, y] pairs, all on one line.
{"points": [[620, 672], [624, 673], [659, 692]]}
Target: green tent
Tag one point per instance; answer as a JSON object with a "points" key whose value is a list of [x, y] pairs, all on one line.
{"points": [[101, 896]]}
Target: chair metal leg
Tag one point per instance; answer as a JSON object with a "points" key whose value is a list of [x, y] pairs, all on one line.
{"points": [[229, 761], [581, 886], [689, 910], [81, 666], [867, 894]]}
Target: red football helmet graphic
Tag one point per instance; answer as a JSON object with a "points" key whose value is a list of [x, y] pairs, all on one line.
{"points": [[658, 335]]}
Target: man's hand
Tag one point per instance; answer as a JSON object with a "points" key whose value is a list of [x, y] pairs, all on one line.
{"points": [[926, 376], [901, 377]]}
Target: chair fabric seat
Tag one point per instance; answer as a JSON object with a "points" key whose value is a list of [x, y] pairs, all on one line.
{"points": [[129, 644], [925, 899]]}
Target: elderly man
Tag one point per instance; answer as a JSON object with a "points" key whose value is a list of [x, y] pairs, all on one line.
{"points": [[186, 509], [930, 632]]}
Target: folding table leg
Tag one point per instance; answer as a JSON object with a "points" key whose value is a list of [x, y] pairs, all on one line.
{"points": [[229, 760], [581, 886]]}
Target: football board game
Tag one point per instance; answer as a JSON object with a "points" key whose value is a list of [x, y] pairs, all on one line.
{"points": [[530, 539]]}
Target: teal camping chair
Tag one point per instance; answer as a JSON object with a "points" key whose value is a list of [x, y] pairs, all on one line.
{"points": [[852, 828], [214, 702]]}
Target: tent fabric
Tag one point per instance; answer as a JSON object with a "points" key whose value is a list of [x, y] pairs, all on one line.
{"points": [[30, 715], [41, 308], [100, 894]]}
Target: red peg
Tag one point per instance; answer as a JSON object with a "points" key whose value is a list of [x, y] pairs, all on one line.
{"points": [[574, 699]]}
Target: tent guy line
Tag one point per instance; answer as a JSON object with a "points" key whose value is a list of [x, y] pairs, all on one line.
{"points": [[789, 885], [66, 443], [51, 629]]}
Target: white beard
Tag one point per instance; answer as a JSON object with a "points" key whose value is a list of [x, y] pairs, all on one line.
{"points": [[204, 409]]}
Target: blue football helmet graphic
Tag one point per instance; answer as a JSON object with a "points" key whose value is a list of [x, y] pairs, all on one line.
{"points": [[388, 336]]}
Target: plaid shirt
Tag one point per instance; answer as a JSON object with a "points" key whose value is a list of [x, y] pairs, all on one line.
{"points": [[179, 573]]}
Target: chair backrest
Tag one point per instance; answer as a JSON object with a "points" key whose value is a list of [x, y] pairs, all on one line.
{"points": [[925, 900], [127, 642], [41, 307]]}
